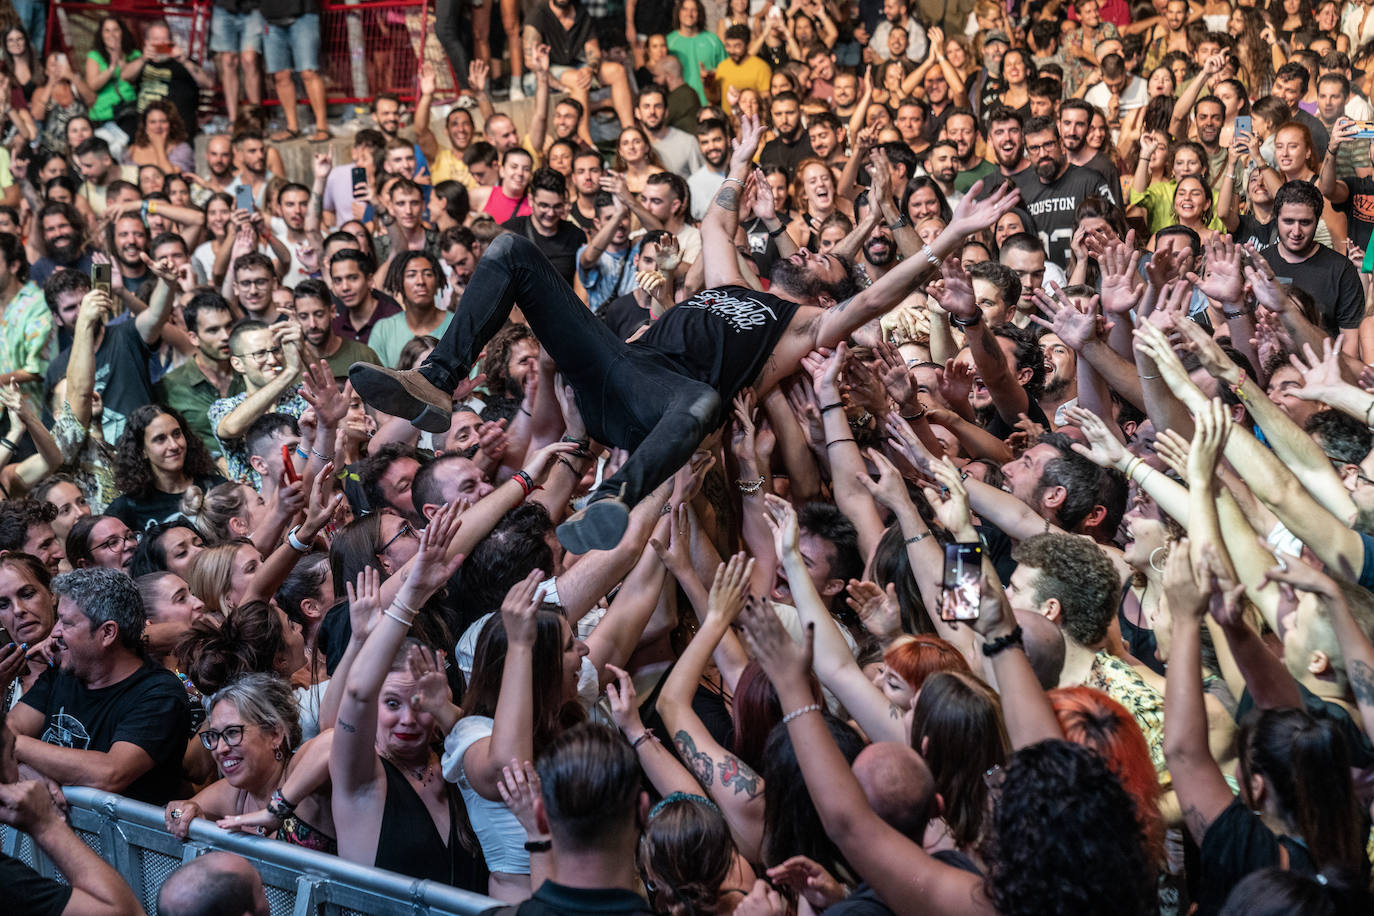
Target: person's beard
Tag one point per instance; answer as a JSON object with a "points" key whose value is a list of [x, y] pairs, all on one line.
{"points": [[1047, 169], [885, 255], [795, 279], [717, 158], [1056, 387], [64, 251]]}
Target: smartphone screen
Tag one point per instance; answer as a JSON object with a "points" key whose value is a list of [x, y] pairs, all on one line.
{"points": [[100, 277], [1366, 130], [962, 584], [243, 198], [1244, 125], [359, 175]]}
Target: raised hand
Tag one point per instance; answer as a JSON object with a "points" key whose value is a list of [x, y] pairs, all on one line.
{"points": [[519, 786], [1225, 280], [878, 609], [806, 877], [624, 702], [1077, 325], [1173, 450], [786, 663], [1103, 449], [956, 382], [426, 668], [890, 488], [676, 553], [1321, 377], [1210, 428], [973, 216], [955, 294], [950, 502], [747, 143], [781, 518], [538, 464], [1269, 293], [432, 568], [520, 608], [1193, 338], [1122, 285], [478, 71], [730, 588], [364, 601], [824, 367]]}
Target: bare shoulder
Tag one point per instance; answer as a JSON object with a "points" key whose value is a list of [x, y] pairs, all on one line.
{"points": [[805, 321]]}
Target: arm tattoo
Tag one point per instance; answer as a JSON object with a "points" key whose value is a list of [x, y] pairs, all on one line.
{"points": [[1362, 682], [735, 774], [1197, 825], [345, 726], [728, 198], [699, 763]]}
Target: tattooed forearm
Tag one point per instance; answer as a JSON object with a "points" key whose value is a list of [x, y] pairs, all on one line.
{"points": [[728, 197], [698, 762], [1197, 824], [738, 776], [345, 726], [1362, 682]]}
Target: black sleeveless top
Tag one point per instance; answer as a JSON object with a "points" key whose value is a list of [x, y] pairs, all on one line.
{"points": [[409, 843], [721, 336]]}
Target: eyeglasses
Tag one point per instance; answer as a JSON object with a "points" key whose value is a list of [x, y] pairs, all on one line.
{"points": [[254, 282], [233, 737], [405, 530], [260, 356], [1340, 467], [1032, 149], [116, 541]]}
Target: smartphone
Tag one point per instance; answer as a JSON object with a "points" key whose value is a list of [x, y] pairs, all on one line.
{"points": [[962, 590], [1366, 130], [288, 464], [100, 277], [1244, 125], [5, 638], [162, 47], [243, 198], [359, 175]]}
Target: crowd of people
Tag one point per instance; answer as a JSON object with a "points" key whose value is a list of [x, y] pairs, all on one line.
{"points": [[729, 458]]}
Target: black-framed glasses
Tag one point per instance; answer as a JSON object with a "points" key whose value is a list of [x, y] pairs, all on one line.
{"points": [[405, 530], [116, 541], [232, 737], [1340, 467], [260, 356]]}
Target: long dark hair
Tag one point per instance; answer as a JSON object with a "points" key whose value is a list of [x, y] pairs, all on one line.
{"points": [[962, 720], [132, 470], [151, 556], [1305, 763], [126, 39], [791, 824], [552, 711]]}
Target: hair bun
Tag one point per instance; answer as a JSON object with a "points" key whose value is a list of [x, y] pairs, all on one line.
{"points": [[192, 501]]}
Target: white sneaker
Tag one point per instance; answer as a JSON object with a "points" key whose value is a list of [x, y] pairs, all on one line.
{"points": [[516, 91]]}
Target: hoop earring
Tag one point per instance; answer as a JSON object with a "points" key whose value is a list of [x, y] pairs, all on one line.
{"points": [[279, 755], [1158, 569]]}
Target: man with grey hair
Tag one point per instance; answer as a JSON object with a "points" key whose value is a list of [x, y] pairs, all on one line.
{"points": [[108, 717], [215, 884]]}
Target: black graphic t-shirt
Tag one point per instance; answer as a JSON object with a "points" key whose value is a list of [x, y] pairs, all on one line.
{"points": [[722, 336], [148, 709], [1054, 206], [1358, 209]]}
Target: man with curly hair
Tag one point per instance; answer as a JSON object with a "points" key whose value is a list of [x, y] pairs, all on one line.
{"points": [[26, 524]]}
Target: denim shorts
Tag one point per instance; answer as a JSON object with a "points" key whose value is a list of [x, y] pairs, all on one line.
{"points": [[234, 33], [294, 47]]}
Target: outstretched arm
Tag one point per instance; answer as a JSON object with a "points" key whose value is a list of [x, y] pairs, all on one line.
{"points": [[722, 219], [970, 217]]}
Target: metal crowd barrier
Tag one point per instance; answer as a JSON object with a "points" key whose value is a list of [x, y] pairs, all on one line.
{"points": [[132, 837]]}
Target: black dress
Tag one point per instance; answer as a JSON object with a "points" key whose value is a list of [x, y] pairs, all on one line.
{"points": [[410, 844]]}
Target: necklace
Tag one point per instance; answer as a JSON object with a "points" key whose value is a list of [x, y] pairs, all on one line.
{"points": [[420, 774]]}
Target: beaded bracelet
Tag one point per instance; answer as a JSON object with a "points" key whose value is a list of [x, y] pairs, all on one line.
{"points": [[801, 711]]}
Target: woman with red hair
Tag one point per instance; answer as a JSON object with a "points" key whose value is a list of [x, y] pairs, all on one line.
{"points": [[909, 660], [1093, 719]]}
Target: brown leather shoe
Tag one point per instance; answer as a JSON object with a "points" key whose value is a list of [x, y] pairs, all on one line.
{"points": [[403, 393]]}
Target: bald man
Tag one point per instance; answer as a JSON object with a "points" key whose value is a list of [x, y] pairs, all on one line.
{"points": [[901, 790], [1044, 647], [215, 884]]}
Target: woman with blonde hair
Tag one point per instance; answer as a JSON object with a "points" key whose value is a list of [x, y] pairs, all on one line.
{"points": [[220, 576]]}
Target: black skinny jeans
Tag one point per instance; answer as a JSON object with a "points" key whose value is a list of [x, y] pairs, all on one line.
{"points": [[627, 396]]}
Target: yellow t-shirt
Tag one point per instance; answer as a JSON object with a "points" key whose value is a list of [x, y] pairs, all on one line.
{"points": [[750, 73]]}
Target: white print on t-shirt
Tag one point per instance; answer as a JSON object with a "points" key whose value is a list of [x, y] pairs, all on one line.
{"points": [[67, 731], [740, 314]]}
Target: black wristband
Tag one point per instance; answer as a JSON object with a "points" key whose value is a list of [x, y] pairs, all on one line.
{"points": [[538, 845], [967, 322], [1002, 643]]}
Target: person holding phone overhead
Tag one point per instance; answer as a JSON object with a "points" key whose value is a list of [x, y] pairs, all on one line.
{"points": [[167, 73]]}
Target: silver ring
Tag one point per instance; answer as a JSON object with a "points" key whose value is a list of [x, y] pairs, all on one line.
{"points": [[176, 813]]}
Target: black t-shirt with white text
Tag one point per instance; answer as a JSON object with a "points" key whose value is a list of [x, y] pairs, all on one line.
{"points": [[148, 709], [1054, 207]]}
